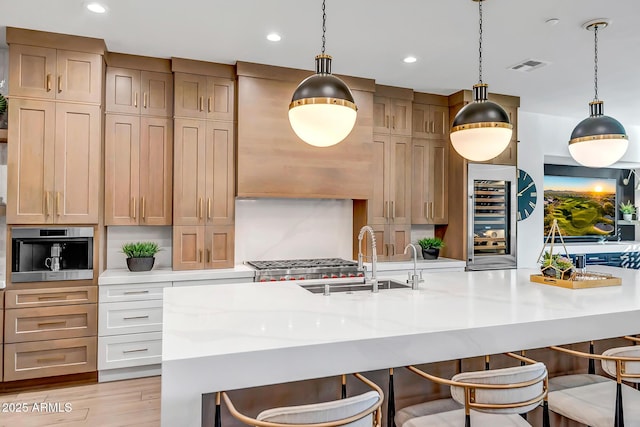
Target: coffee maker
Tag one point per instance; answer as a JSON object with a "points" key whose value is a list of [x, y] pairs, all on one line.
{"points": [[53, 263]]}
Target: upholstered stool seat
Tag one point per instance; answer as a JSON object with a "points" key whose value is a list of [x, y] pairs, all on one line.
{"points": [[478, 419], [426, 408]]}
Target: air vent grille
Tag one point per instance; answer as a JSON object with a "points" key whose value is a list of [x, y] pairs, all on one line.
{"points": [[529, 65]]}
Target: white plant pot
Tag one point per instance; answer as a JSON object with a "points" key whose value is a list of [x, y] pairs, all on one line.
{"points": [[627, 217]]}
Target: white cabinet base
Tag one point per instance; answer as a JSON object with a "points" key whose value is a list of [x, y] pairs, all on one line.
{"points": [[129, 373], [123, 351]]}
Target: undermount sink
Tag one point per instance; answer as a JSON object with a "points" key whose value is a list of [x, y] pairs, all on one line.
{"points": [[350, 287]]}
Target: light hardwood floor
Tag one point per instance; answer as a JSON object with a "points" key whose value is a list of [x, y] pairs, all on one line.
{"points": [[119, 403]]}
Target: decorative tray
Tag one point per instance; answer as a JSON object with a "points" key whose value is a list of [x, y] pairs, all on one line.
{"points": [[579, 280]]}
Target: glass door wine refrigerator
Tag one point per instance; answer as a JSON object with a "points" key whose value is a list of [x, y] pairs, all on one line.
{"points": [[491, 212]]}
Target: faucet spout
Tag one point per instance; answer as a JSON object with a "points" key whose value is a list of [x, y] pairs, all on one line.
{"points": [[413, 279], [374, 256]]}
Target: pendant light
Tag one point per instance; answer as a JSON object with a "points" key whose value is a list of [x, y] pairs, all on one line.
{"points": [[481, 130], [322, 110], [598, 141]]}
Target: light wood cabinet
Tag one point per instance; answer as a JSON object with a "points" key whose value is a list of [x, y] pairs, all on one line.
{"points": [[390, 242], [430, 121], [392, 115], [429, 192], [39, 72], [138, 170], [54, 163], [50, 297], [46, 323], [204, 173], [510, 154], [131, 91], [199, 247], [204, 97]]}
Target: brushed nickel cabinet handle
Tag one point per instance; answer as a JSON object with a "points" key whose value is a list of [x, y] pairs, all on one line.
{"points": [[393, 247], [146, 291], [60, 83], [62, 322], [425, 211], [199, 255], [386, 121], [136, 317], [208, 208], [202, 103], [209, 103], [425, 128], [51, 297], [432, 210], [394, 122], [48, 82], [133, 207], [51, 359], [144, 100], [135, 100], [46, 204], [393, 209], [137, 350], [58, 203], [386, 209], [433, 126], [199, 207], [386, 249], [208, 255], [142, 206]]}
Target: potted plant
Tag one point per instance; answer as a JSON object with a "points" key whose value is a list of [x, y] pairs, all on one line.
{"points": [[556, 266], [140, 255], [627, 210], [431, 247]]}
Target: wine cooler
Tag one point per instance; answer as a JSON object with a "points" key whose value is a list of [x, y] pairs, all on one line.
{"points": [[492, 217]]}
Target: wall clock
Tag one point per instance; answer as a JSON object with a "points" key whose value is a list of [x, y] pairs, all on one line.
{"points": [[527, 195]]}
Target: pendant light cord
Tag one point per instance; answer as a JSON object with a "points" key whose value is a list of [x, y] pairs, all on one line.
{"points": [[595, 66], [480, 44], [324, 25]]}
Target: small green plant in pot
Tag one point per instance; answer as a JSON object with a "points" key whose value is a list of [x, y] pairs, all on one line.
{"points": [[627, 210], [556, 266], [140, 255], [431, 247]]}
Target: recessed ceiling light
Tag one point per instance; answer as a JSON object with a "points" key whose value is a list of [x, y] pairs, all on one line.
{"points": [[552, 21], [273, 37], [96, 7], [410, 59]]}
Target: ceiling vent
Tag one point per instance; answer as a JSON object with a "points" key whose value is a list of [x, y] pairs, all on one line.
{"points": [[529, 65]]}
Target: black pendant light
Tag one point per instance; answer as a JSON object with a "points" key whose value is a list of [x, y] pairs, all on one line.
{"points": [[322, 110], [598, 141], [481, 130]]}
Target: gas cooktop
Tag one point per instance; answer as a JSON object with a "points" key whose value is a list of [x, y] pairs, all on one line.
{"points": [[301, 263], [301, 269]]}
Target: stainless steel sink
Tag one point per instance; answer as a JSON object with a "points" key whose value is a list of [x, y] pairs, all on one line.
{"points": [[349, 287]]}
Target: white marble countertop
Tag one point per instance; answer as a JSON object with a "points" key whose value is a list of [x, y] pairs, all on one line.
{"points": [[422, 264], [124, 276], [279, 332]]}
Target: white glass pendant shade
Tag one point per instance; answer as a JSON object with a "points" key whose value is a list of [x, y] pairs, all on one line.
{"points": [[481, 144], [599, 153], [322, 125]]}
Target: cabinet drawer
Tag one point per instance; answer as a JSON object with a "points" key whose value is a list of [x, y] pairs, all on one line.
{"points": [[132, 292], [130, 317], [27, 298], [123, 351], [47, 323], [49, 358]]}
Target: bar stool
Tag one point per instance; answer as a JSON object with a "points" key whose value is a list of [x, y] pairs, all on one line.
{"points": [[486, 398], [596, 400], [362, 410]]}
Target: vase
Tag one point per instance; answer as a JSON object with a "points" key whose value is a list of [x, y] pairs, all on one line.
{"points": [[627, 217], [431, 253], [140, 264]]}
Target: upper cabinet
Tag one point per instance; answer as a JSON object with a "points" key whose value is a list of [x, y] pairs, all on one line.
{"points": [[392, 110], [47, 73], [204, 97], [139, 92], [430, 201], [430, 121]]}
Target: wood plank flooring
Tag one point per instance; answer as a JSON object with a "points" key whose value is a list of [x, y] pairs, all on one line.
{"points": [[113, 404]]}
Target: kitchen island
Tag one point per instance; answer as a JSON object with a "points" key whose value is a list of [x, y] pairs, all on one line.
{"points": [[236, 336]]}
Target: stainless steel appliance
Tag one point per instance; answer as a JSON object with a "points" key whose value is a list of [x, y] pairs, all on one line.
{"points": [[41, 254], [301, 269], [491, 242]]}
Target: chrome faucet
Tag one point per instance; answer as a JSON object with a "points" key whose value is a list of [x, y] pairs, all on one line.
{"points": [[374, 257], [413, 278]]}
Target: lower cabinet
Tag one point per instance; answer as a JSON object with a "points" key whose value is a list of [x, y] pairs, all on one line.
{"points": [[197, 247], [49, 332], [130, 330]]}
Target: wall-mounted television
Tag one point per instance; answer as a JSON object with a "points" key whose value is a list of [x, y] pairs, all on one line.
{"points": [[584, 207]]}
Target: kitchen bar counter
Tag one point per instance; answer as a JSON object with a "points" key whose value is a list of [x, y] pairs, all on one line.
{"points": [[236, 336], [123, 276]]}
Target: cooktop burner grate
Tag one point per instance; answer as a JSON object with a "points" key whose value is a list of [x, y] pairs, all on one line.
{"points": [[302, 263]]}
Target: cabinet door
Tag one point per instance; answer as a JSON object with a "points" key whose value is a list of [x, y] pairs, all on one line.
{"points": [[121, 171], [438, 182], [220, 102], [77, 163], [219, 246], [190, 91], [79, 77], [399, 236], [157, 94], [156, 171], [123, 90], [30, 162], [378, 206], [439, 122], [401, 117], [188, 244], [421, 120], [219, 172], [188, 172], [33, 71], [400, 180], [420, 170], [381, 114]]}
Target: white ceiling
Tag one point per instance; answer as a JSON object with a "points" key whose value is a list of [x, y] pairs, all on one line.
{"points": [[369, 38]]}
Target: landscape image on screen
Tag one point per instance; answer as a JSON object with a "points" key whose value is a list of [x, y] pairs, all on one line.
{"points": [[582, 206]]}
